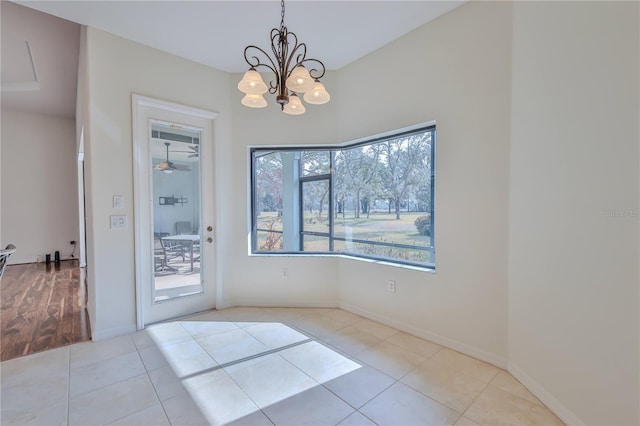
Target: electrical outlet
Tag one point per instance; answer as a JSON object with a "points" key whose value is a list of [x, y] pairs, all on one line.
{"points": [[392, 286], [285, 273]]}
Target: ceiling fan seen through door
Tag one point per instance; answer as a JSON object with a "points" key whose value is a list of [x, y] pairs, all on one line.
{"points": [[170, 166], [192, 150]]}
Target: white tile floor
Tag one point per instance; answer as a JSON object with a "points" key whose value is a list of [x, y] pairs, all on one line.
{"points": [[263, 366]]}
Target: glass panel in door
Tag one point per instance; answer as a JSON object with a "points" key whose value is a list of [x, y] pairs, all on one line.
{"points": [[176, 177]]}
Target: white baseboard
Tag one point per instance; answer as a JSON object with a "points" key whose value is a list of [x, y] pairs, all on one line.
{"points": [[281, 302], [13, 260], [480, 354], [552, 403], [223, 304], [37, 259], [112, 332]]}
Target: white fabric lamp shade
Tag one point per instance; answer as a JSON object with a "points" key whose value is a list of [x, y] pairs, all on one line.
{"points": [[318, 95], [252, 83], [254, 101], [294, 107], [299, 80]]}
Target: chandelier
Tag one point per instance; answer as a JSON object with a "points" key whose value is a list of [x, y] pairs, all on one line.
{"points": [[294, 74]]}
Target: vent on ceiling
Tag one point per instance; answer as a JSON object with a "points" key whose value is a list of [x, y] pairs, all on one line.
{"points": [[174, 137]]}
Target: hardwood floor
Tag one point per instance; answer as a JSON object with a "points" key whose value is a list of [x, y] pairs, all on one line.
{"points": [[42, 307]]}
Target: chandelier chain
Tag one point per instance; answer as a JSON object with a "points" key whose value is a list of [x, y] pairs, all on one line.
{"points": [[282, 41]]}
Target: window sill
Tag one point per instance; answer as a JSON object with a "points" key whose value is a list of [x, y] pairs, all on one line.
{"points": [[427, 269]]}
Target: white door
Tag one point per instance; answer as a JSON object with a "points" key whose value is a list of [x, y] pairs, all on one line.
{"points": [[174, 210]]}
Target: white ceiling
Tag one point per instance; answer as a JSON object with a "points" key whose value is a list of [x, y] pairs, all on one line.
{"points": [[39, 62], [215, 32]]}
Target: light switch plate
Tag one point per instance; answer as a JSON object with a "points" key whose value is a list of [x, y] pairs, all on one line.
{"points": [[118, 221], [118, 202]]}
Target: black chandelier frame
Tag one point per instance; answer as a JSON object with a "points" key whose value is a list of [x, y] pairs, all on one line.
{"points": [[281, 39]]}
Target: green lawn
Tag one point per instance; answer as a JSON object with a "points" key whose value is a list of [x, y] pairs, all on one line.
{"points": [[380, 227]]}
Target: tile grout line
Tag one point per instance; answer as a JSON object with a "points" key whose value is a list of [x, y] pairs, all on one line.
{"points": [[460, 415], [155, 391], [240, 387], [238, 361], [480, 393], [146, 372], [396, 381], [318, 340], [311, 338], [316, 381], [241, 360], [217, 367], [350, 357], [229, 375], [321, 342]]}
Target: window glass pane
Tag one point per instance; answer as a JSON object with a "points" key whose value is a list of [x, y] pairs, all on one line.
{"points": [[268, 191], [383, 198], [315, 243], [269, 241], [371, 249], [315, 201], [315, 163], [368, 199], [176, 178], [268, 185]]}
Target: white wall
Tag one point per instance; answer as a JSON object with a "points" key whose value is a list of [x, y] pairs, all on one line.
{"points": [[118, 68], [39, 185], [258, 280], [573, 264], [454, 70], [547, 299], [465, 86]]}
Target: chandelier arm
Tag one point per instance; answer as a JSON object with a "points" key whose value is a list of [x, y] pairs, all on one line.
{"points": [[280, 49], [276, 46], [322, 69], [255, 62], [302, 46]]}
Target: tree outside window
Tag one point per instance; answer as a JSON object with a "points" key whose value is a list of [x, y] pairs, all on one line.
{"points": [[372, 199]]}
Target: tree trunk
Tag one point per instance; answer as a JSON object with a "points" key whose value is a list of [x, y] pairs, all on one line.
{"points": [[321, 203]]}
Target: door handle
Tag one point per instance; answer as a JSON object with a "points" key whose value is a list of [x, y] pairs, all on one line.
{"points": [[209, 228], [209, 240]]}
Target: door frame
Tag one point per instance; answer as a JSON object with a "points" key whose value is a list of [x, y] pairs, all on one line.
{"points": [[82, 209], [142, 211]]}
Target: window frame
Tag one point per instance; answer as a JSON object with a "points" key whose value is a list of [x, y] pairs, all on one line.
{"points": [[329, 235], [331, 149]]}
